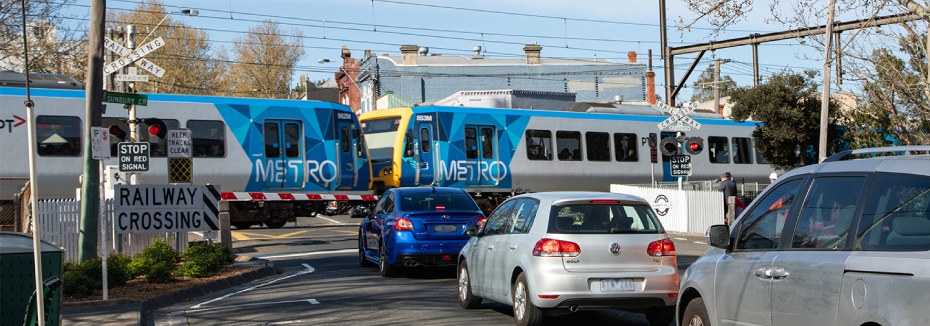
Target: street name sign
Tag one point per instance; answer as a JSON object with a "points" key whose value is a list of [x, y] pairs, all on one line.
{"points": [[166, 208], [100, 143], [135, 55], [680, 165], [133, 157], [126, 98]]}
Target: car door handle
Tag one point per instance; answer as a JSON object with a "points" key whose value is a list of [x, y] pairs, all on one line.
{"points": [[763, 273], [513, 247], [490, 247], [779, 273]]}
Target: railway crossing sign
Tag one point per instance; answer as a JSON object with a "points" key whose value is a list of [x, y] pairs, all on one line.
{"points": [[128, 57], [133, 157], [680, 165], [180, 164], [679, 116], [165, 208]]}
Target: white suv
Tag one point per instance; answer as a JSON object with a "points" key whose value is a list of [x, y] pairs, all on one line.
{"points": [[845, 242]]}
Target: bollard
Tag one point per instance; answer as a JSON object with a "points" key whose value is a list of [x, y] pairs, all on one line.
{"points": [[225, 232]]}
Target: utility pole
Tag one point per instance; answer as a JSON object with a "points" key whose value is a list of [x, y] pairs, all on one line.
{"points": [[825, 99], [716, 66], [666, 58], [90, 198]]}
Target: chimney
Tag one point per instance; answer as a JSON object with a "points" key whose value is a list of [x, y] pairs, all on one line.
{"points": [[532, 54], [367, 54], [346, 53], [651, 87], [409, 54], [303, 82], [632, 56], [720, 109]]}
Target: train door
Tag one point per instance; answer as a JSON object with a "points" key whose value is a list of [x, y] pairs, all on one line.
{"points": [[284, 154], [348, 172], [426, 167], [481, 153]]}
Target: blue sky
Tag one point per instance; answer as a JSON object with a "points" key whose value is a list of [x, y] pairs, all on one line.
{"points": [[565, 29]]}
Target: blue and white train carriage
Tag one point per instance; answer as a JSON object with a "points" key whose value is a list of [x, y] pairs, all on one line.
{"points": [[273, 159], [493, 153]]}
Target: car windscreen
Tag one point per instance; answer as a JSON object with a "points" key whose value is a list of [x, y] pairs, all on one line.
{"points": [[604, 219], [436, 202], [379, 135]]}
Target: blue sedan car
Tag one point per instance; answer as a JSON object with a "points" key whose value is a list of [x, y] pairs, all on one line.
{"points": [[422, 226]]}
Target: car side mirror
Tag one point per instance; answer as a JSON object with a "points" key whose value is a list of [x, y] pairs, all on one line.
{"points": [[719, 236], [473, 231], [360, 212]]}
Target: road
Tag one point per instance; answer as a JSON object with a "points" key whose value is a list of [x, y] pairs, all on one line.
{"points": [[320, 282]]}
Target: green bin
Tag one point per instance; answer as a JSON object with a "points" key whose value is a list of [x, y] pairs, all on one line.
{"points": [[17, 277]]}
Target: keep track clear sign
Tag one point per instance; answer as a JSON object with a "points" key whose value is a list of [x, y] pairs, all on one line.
{"points": [[166, 208]]}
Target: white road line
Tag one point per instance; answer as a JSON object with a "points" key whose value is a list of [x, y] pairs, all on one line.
{"points": [[329, 219], [290, 322], [309, 270], [681, 239], [301, 254], [310, 301], [698, 242]]}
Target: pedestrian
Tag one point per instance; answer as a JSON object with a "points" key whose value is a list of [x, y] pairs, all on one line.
{"points": [[728, 186], [773, 177]]}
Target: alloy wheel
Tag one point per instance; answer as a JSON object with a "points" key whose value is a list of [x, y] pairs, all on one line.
{"points": [[695, 321], [463, 284], [519, 301]]}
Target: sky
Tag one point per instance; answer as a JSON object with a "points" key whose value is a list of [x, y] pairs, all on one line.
{"points": [[565, 29]]}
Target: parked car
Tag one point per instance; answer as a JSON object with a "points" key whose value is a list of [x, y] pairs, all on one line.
{"points": [[560, 252], [844, 242], [411, 227]]}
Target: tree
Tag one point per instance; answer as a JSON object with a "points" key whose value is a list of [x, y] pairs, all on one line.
{"points": [[789, 108], [263, 62], [704, 89], [51, 49], [185, 57]]}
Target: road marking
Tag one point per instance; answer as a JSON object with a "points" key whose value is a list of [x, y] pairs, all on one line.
{"points": [[301, 254], [681, 239], [290, 322], [346, 232], [698, 242], [289, 234], [311, 301], [308, 271], [329, 219]]}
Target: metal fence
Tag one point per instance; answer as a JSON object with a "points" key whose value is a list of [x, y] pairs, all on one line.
{"points": [[10, 189], [59, 223], [747, 192], [683, 211]]}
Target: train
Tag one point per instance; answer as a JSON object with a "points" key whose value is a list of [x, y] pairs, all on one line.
{"points": [[495, 153], [286, 158]]}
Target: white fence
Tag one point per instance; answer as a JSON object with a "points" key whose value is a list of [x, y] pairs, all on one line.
{"points": [[59, 223], [685, 211]]}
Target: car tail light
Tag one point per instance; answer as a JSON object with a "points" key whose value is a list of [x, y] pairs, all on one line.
{"points": [[403, 224], [556, 248], [661, 248], [604, 202]]}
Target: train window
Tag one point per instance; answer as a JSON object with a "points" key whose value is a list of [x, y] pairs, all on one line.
{"points": [[625, 145], [380, 134], [487, 143], [569, 143], [271, 140], [158, 146], [209, 137], [718, 149], [471, 143], [346, 141], [58, 136], [598, 146], [408, 144], [759, 158], [292, 140], [539, 145], [424, 140], [742, 150]]}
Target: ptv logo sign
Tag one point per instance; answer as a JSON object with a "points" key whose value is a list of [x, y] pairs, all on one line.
{"points": [[8, 124]]}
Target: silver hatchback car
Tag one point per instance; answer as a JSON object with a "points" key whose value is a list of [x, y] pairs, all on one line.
{"points": [[844, 242], [560, 252]]}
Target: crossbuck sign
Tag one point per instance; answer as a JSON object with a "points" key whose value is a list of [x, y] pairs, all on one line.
{"points": [[679, 117], [128, 57]]}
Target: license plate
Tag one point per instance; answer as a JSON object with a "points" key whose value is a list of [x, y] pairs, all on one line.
{"points": [[445, 228], [621, 285]]}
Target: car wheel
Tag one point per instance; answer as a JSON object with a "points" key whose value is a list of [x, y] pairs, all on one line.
{"points": [[385, 269], [275, 225], [466, 298], [661, 316], [362, 260], [696, 314], [524, 311], [242, 226]]}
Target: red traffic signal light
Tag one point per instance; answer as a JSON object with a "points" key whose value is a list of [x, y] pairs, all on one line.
{"points": [[156, 127], [669, 146], [694, 145], [154, 130], [117, 132]]}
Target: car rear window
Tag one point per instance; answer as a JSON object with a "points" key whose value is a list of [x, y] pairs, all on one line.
{"points": [[599, 218], [896, 216], [443, 201]]}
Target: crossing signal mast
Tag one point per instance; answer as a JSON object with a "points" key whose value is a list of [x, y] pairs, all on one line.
{"points": [[678, 145]]}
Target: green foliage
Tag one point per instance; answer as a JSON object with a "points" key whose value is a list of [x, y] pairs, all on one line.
{"points": [[200, 260], [789, 108], [704, 90], [82, 279], [160, 273], [160, 252], [118, 269]]}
